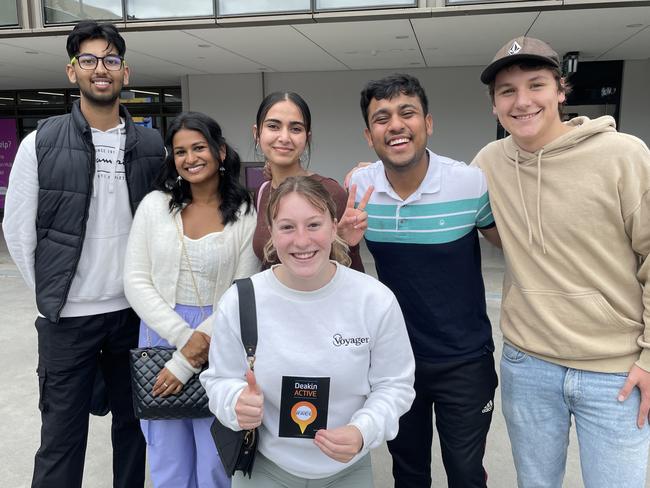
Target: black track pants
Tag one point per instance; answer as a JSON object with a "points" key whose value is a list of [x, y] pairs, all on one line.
{"points": [[462, 396]]}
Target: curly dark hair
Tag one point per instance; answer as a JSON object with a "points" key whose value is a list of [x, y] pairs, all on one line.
{"points": [[231, 191]]}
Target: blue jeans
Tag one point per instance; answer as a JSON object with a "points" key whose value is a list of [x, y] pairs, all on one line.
{"points": [[538, 401]]}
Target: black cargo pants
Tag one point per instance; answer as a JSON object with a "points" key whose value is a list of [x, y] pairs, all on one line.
{"points": [[69, 353]]}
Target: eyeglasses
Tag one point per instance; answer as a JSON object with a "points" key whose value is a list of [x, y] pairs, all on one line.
{"points": [[112, 62]]}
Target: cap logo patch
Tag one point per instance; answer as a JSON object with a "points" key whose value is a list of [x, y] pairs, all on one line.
{"points": [[514, 49]]}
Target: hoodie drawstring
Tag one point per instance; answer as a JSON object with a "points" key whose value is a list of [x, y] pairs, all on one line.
{"points": [[116, 157], [523, 202], [539, 200]]}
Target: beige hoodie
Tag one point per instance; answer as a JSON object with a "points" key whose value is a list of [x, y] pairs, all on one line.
{"points": [[574, 219]]}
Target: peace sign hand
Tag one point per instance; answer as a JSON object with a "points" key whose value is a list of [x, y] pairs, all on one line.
{"points": [[354, 221]]}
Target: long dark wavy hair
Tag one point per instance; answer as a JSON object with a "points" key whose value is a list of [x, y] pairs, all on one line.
{"points": [[231, 191]]}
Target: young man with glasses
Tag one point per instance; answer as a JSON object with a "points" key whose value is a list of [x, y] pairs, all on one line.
{"points": [[74, 186]]}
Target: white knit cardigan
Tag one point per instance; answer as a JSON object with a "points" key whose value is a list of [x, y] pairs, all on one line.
{"points": [[152, 268]]}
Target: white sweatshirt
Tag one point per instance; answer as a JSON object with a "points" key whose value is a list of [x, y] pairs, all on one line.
{"points": [[97, 284], [153, 261], [303, 334]]}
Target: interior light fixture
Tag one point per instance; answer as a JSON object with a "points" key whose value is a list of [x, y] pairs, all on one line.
{"points": [[570, 62], [143, 91]]}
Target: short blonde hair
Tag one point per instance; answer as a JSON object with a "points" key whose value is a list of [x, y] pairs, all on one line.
{"points": [[316, 194]]}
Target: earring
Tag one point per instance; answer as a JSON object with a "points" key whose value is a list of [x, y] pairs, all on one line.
{"points": [[305, 157], [179, 179], [222, 170], [258, 152]]}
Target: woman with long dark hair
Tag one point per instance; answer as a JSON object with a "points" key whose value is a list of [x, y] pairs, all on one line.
{"points": [[282, 134], [189, 240]]}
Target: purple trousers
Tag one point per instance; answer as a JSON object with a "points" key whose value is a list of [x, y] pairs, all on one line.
{"points": [[181, 453]]}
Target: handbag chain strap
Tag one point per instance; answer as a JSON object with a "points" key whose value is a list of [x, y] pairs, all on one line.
{"points": [[189, 265]]}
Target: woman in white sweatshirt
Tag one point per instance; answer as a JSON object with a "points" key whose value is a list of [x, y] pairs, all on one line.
{"points": [[189, 240], [334, 367]]}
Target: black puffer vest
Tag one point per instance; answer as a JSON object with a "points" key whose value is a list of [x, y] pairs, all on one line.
{"points": [[66, 169]]}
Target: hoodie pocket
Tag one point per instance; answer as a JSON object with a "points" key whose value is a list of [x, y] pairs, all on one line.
{"points": [[567, 325]]}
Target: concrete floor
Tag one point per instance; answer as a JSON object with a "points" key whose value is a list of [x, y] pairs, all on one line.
{"points": [[20, 419]]}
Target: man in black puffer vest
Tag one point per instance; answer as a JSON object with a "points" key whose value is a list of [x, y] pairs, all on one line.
{"points": [[74, 187]]}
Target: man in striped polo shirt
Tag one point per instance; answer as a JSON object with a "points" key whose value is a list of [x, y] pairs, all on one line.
{"points": [[423, 218]]}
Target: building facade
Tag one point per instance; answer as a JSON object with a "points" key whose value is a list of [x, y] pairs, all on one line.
{"points": [[222, 56]]}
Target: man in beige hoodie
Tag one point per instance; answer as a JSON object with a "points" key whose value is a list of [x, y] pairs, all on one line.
{"points": [[572, 205]]}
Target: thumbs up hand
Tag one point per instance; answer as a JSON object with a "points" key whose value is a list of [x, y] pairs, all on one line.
{"points": [[250, 404]]}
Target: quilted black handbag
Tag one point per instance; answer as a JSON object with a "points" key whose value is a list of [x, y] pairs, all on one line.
{"points": [[146, 363], [237, 449]]}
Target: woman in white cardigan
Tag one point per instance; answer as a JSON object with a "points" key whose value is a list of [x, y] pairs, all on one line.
{"points": [[189, 240]]}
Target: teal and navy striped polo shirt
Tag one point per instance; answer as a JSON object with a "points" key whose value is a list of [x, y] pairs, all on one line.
{"points": [[426, 250]]}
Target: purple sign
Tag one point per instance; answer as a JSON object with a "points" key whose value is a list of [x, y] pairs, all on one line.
{"points": [[8, 148], [254, 177]]}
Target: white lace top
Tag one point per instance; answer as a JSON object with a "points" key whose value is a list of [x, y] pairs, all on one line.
{"points": [[203, 256]]}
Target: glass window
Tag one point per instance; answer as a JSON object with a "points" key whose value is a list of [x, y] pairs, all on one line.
{"points": [[41, 98], [8, 13], [251, 7], [172, 95], [460, 2], [27, 125], [160, 9], [73, 94], [349, 4], [65, 11], [133, 95], [7, 98]]}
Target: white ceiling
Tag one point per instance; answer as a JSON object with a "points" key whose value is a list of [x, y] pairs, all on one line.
{"points": [[162, 57]]}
